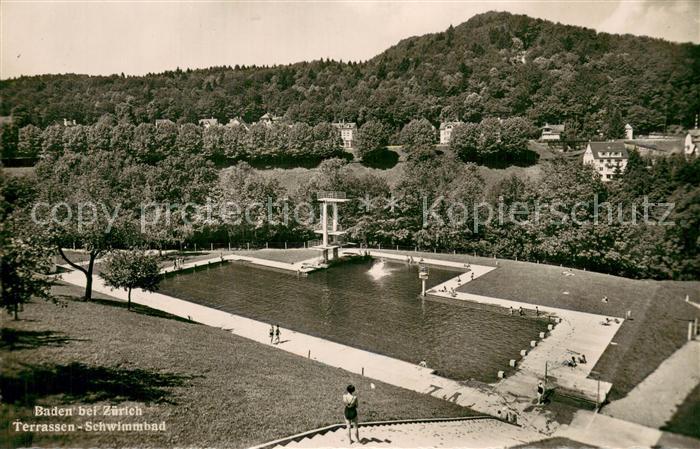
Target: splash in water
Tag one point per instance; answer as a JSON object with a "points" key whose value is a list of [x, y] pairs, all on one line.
{"points": [[379, 270]]}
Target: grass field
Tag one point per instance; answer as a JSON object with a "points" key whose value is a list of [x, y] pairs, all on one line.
{"points": [[659, 313], [210, 387]]}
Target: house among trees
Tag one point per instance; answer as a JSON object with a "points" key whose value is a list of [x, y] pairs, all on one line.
{"points": [[608, 158], [268, 119], [237, 121], [347, 133], [207, 122], [67, 122], [163, 121], [446, 131], [692, 143], [552, 132]]}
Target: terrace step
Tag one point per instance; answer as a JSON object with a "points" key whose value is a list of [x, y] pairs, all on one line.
{"points": [[475, 433]]}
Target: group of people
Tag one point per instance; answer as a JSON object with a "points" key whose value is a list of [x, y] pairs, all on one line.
{"points": [[274, 334], [178, 263], [572, 362]]}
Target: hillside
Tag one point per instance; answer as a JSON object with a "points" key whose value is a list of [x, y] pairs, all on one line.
{"points": [[495, 64]]}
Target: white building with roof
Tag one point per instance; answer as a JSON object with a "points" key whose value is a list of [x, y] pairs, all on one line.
{"points": [[347, 133], [608, 158], [446, 131], [552, 132]]}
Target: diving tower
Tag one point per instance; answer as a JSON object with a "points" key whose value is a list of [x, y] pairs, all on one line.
{"points": [[330, 230]]}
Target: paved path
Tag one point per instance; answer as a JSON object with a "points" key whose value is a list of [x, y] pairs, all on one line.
{"points": [[655, 400], [304, 266], [605, 431]]}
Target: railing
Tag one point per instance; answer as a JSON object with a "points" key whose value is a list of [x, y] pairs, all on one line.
{"points": [[331, 194]]}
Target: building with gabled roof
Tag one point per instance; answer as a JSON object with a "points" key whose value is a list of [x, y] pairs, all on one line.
{"points": [[608, 158], [552, 132], [207, 122], [691, 147], [446, 131], [347, 132]]}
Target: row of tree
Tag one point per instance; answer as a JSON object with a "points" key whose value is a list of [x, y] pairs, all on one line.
{"points": [[150, 143]]}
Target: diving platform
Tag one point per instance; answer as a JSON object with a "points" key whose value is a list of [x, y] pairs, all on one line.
{"points": [[329, 228]]}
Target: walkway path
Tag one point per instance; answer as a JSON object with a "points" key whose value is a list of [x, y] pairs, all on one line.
{"points": [[655, 400]]}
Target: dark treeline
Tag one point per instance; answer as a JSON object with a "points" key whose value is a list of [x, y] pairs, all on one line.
{"points": [[439, 202], [494, 65]]}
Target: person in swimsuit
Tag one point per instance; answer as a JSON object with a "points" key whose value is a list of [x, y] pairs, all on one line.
{"points": [[272, 333], [277, 334], [350, 403]]}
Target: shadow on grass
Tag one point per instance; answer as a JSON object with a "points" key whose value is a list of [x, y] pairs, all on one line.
{"points": [[16, 339], [82, 383], [135, 308]]}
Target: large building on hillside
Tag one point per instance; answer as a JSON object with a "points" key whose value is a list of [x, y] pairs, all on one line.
{"points": [[691, 147], [347, 133], [552, 132], [608, 158], [446, 131]]}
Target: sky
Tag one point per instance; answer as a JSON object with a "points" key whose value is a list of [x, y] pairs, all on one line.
{"points": [[138, 37]]}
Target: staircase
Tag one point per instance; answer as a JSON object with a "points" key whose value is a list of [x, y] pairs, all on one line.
{"points": [[478, 432]]}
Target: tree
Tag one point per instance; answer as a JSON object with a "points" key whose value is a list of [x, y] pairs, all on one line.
{"points": [[372, 137], [25, 259], [93, 199], [418, 133], [464, 141], [29, 144], [132, 269]]}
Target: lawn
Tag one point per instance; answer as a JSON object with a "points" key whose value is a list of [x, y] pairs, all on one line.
{"points": [[659, 313], [211, 388]]}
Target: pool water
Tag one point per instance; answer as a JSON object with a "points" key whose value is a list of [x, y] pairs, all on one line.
{"points": [[372, 305]]}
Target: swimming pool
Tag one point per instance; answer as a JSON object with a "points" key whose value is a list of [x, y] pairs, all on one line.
{"points": [[372, 305]]}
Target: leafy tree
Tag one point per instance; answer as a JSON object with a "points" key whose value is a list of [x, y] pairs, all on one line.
{"points": [[25, 259], [372, 137], [132, 269], [99, 195], [418, 133], [29, 144]]}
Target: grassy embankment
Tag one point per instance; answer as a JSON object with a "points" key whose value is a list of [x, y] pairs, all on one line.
{"points": [[210, 387]]}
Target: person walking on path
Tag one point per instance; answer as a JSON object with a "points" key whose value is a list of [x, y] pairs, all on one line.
{"points": [[272, 333], [540, 392], [350, 402], [277, 335]]}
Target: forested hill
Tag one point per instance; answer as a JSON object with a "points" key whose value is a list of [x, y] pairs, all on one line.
{"points": [[495, 64]]}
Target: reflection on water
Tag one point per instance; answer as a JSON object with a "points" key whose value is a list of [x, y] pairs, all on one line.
{"points": [[373, 305]]}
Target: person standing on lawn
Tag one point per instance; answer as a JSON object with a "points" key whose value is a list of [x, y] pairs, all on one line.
{"points": [[350, 402]]}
